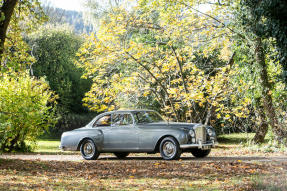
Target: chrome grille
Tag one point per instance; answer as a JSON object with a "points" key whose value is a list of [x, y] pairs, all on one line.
{"points": [[200, 134]]}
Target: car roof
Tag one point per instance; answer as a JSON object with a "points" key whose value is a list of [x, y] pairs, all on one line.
{"points": [[128, 111]]}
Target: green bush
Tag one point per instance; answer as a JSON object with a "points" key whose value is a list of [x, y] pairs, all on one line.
{"points": [[67, 122], [25, 111]]}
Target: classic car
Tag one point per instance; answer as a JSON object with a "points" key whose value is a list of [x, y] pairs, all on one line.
{"points": [[137, 131]]}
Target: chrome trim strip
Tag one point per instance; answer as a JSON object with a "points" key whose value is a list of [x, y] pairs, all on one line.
{"points": [[200, 145]]}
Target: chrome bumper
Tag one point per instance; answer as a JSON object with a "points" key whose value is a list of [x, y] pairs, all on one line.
{"points": [[200, 145]]}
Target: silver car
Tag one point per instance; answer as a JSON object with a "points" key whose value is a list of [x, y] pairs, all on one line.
{"points": [[138, 131]]}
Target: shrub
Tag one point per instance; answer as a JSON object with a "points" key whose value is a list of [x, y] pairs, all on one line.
{"points": [[69, 121], [25, 111]]}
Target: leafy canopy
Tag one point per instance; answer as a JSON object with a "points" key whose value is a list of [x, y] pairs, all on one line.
{"points": [[155, 50]]}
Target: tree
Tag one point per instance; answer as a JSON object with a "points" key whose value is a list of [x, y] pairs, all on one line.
{"points": [[271, 17], [26, 103], [188, 59], [58, 16], [23, 9], [154, 49], [54, 49], [253, 25]]}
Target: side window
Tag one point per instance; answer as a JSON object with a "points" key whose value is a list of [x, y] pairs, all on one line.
{"points": [[116, 119], [103, 121], [122, 119], [127, 119]]}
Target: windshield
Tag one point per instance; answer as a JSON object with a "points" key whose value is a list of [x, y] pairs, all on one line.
{"points": [[147, 117]]}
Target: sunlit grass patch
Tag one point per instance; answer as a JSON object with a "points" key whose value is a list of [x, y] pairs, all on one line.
{"points": [[235, 138], [243, 142], [48, 146]]}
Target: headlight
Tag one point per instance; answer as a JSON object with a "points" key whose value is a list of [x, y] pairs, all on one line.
{"points": [[191, 133], [210, 132]]}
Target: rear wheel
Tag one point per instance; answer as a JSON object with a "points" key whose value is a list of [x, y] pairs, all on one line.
{"points": [[169, 149], [89, 150], [121, 155], [199, 153]]}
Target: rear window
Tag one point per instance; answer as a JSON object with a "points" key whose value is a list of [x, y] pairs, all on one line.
{"points": [[103, 121], [147, 117], [122, 119]]}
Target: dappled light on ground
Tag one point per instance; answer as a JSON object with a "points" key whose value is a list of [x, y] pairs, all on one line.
{"points": [[138, 173]]}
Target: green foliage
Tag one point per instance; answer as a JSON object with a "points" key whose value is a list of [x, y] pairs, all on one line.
{"points": [[270, 19], [26, 103], [69, 121], [198, 65], [268, 98], [25, 111], [157, 51], [54, 49], [26, 17]]}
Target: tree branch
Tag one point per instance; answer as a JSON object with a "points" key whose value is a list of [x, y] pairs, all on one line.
{"points": [[157, 81]]}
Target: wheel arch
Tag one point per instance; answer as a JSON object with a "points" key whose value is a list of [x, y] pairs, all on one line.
{"points": [[86, 138], [156, 148], [81, 141]]}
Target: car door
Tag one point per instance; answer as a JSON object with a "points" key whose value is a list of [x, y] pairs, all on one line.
{"points": [[104, 123], [122, 134]]}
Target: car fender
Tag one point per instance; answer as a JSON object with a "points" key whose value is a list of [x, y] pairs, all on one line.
{"points": [[96, 135], [180, 136]]}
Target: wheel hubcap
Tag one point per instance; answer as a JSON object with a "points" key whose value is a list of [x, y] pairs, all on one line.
{"points": [[88, 149], [169, 149]]}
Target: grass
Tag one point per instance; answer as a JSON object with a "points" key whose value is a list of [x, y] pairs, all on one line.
{"points": [[48, 146], [235, 138], [51, 147], [273, 182]]}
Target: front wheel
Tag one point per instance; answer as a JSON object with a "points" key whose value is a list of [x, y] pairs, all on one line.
{"points": [[169, 149], [89, 150], [199, 153], [121, 155]]}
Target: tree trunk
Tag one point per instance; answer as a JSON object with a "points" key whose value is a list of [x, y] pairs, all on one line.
{"points": [[266, 91], [260, 133], [13, 143], [6, 10], [262, 128]]}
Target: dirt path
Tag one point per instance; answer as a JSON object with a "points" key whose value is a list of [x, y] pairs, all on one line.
{"points": [[144, 157], [219, 171]]}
